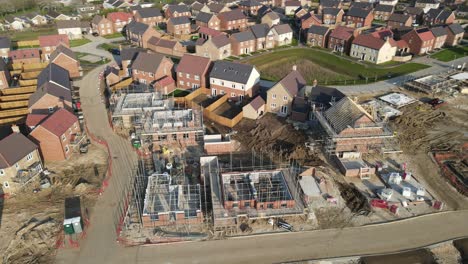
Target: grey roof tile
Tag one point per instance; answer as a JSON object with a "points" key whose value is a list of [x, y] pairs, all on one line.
{"points": [[231, 71], [13, 148]]}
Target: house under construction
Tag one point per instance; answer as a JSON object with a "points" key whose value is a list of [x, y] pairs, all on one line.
{"points": [[156, 119], [249, 194], [170, 204], [349, 128]]}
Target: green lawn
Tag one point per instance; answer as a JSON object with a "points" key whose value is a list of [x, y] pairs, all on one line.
{"points": [[451, 53], [326, 68], [107, 46], [79, 42], [31, 34], [178, 93], [112, 36]]}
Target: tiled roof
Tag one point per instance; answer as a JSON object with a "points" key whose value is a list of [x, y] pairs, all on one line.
{"points": [[220, 41], [55, 74], [292, 3], [358, 12], [293, 82], [243, 36], [401, 18], [59, 122], [260, 30], [456, 28], [137, 27], [257, 102], [23, 54], [165, 43], [249, 3], [401, 44], [52, 89], [33, 120], [14, 148], [331, 11], [149, 12], [53, 40], [147, 62], [383, 33], [282, 29], [62, 49], [342, 33], [414, 10], [119, 16], [204, 17], [344, 114], [318, 30], [129, 53], [209, 31], [193, 64], [164, 81], [178, 8], [384, 8], [236, 14], [330, 3], [179, 20], [425, 34], [231, 71], [68, 24], [369, 41], [362, 5], [439, 31], [215, 7]]}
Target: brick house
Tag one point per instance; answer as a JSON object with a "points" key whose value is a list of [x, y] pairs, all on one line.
{"points": [[383, 12], [242, 43], [237, 80], [280, 97], [399, 20], [310, 19], [440, 34], [215, 48], [341, 38], [207, 20], [166, 46], [271, 19], [5, 46], [332, 16], [192, 72], [317, 36], [426, 5], [53, 91], [207, 33], [282, 34], [56, 134], [218, 8], [102, 25], [362, 5], [416, 13], [149, 67], [454, 34], [127, 55], [19, 161], [49, 43], [329, 4], [139, 33], [233, 20], [250, 7], [177, 11], [197, 7], [291, 6], [264, 38], [439, 17], [65, 58], [119, 20], [178, 25], [24, 56], [149, 16], [373, 49], [358, 17], [5, 76], [420, 41]]}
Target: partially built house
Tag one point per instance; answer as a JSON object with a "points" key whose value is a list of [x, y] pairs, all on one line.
{"points": [[431, 84], [154, 118], [171, 204], [349, 128]]}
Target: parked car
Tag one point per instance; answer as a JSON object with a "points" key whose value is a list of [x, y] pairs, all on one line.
{"points": [[95, 34], [114, 51], [436, 103]]}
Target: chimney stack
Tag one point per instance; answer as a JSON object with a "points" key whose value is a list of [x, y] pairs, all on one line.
{"points": [[294, 68], [15, 128]]}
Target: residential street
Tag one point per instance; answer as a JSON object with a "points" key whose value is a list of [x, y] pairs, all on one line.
{"points": [[92, 47]]}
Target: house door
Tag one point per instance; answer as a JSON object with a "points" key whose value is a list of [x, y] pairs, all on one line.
{"points": [[363, 56], [284, 109], [213, 92], [241, 97]]}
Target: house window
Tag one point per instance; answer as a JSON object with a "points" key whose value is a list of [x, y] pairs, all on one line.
{"points": [[273, 96], [180, 74], [187, 75], [29, 156], [174, 136], [51, 109], [273, 106], [197, 77], [233, 95], [181, 82], [270, 206], [285, 98], [151, 74], [186, 135], [2, 172], [6, 185], [188, 84], [66, 148], [63, 137], [233, 86]]}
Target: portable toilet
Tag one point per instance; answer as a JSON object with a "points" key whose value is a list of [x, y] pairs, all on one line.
{"points": [[77, 224], [68, 227]]}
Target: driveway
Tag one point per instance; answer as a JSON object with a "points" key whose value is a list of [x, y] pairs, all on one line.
{"points": [[92, 47]]}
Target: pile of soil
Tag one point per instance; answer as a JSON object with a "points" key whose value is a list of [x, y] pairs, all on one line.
{"points": [[354, 199]]}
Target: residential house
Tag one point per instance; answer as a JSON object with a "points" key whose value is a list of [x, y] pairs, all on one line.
{"points": [[65, 58], [237, 80], [280, 97], [358, 17], [399, 20], [116, 4], [112, 76], [36, 19], [263, 11], [178, 25], [177, 11], [56, 134], [165, 85], [420, 41], [362, 5], [373, 49], [329, 4], [317, 36], [5, 76], [250, 7], [53, 91], [119, 20], [341, 38], [5, 46], [264, 37], [54, 15], [19, 162], [86, 10], [233, 20], [218, 8], [215, 48], [388, 2], [139, 33], [282, 34], [197, 7], [193, 72], [291, 6], [166, 46], [310, 19], [242, 43], [150, 16], [440, 34], [271, 19], [71, 28], [49, 43], [127, 55], [149, 67], [332, 16], [439, 17], [416, 13], [24, 56], [426, 5], [462, 11], [102, 25], [300, 13], [383, 12], [12, 23], [207, 33], [454, 34], [207, 20], [254, 109]]}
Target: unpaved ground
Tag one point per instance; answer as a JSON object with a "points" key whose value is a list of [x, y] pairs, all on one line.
{"points": [[421, 129], [31, 222]]}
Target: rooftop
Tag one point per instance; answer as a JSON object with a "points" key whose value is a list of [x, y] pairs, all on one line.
{"points": [[13, 148], [231, 71]]}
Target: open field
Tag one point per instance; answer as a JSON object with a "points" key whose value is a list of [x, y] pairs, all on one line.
{"points": [[450, 54], [30, 34], [326, 68], [112, 36], [79, 42]]}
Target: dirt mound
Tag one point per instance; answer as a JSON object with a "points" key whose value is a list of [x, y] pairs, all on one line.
{"points": [[354, 199]]}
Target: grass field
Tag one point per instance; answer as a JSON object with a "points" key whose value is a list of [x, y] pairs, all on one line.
{"points": [[451, 53], [31, 34], [325, 67], [112, 36], [79, 42]]}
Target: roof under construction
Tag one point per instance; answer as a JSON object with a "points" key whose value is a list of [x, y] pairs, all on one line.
{"points": [[344, 114]]}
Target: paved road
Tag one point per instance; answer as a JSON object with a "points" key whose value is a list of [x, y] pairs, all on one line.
{"points": [[92, 47]]}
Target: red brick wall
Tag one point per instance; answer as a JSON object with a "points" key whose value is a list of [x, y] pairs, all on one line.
{"points": [[69, 64], [152, 21], [319, 40], [276, 204], [201, 82], [220, 148], [238, 48], [357, 20], [182, 29], [42, 106], [49, 144], [165, 69], [236, 24]]}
